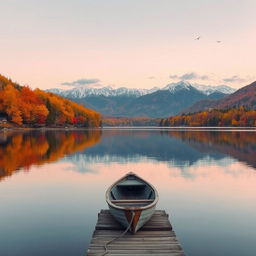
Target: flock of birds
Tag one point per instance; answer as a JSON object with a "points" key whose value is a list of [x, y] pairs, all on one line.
{"points": [[198, 38]]}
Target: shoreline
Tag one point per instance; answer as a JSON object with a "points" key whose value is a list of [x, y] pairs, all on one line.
{"points": [[46, 128], [189, 128]]}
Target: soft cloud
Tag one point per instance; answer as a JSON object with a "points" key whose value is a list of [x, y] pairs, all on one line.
{"points": [[190, 76], [233, 79], [173, 76], [82, 82], [151, 77]]}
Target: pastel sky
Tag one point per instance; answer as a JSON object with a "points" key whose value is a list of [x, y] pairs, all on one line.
{"points": [[132, 43]]}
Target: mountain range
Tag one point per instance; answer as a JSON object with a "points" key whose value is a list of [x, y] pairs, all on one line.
{"points": [[245, 96], [154, 102]]}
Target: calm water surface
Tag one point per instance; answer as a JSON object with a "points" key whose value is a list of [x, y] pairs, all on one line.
{"points": [[52, 185]]}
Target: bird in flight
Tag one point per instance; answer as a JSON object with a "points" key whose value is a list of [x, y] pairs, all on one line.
{"points": [[198, 38], [218, 41]]}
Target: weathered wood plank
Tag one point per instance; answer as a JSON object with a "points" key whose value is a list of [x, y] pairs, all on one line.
{"points": [[135, 252], [115, 233], [141, 254], [155, 238], [159, 221], [172, 253]]}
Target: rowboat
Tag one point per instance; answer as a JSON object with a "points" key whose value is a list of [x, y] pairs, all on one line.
{"points": [[132, 201]]}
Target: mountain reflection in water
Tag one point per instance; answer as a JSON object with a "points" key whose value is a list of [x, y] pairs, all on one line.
{"points": [[201, 176], [180, 148], [177, 148]]}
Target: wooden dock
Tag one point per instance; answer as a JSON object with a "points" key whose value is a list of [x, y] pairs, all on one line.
{"points": [[156, 237]]}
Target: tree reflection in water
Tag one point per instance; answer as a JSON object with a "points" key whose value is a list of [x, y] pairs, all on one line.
{"points": [[241, 145], [22, 150]]}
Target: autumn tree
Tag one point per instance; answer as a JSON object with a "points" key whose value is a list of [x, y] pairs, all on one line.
{"points": [[228, 117], [36, 107]]}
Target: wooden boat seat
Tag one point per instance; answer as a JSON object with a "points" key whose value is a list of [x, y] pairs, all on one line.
{"points": [[132, 203]]}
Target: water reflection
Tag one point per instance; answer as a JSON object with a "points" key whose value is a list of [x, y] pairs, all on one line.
{"points": [[22, 150], [201, 176], [178, 148], [241, 145]]}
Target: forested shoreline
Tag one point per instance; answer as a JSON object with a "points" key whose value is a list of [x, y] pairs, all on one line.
{"points": [[233, 117], [23, 107]]}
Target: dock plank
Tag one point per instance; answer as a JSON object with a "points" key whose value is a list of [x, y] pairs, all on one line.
{"points": [[156, 237], [159, 221]]}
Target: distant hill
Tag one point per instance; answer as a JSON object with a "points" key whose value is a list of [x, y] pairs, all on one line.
{"points": [[129, 121], [241, 117], [22, 106], [155, 102], [163, 102], [246, 97]]}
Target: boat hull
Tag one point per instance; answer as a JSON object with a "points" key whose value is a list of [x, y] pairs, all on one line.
{"points": [[132, 201], [125, 216]]}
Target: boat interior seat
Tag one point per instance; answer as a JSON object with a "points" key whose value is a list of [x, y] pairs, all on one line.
{"points": [[133, 201]]}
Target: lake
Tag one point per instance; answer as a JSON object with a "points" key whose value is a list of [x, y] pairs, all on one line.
{"points": [[53, 183]]}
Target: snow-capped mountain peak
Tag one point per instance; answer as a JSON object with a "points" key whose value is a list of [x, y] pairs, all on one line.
{"points": [[209, 89], [108, 91], [174, 87], [225, 89]]}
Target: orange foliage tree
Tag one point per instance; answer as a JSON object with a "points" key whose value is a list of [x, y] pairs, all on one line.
{"points": [[25, 106], [63, 111], [228, 117]]}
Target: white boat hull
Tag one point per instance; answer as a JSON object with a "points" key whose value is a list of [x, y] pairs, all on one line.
{"points": [[124, 217], [132, 201]]}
